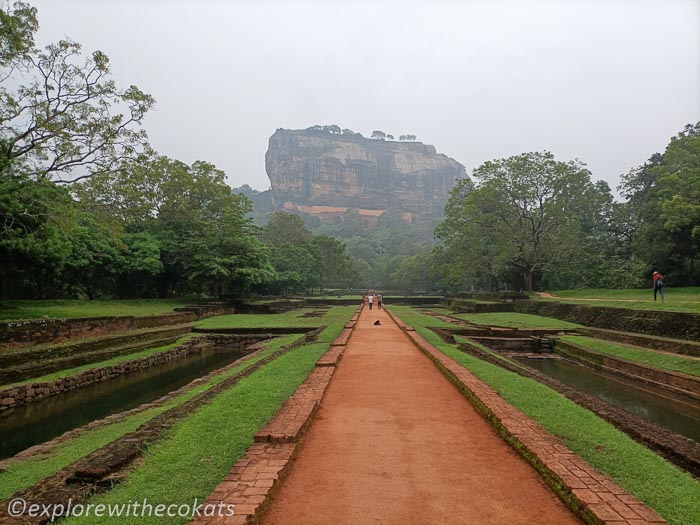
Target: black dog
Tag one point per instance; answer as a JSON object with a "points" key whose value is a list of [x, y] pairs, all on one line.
{"points": [[377, 323]]}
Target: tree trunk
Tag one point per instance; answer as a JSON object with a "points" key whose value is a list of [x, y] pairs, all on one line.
{"points": [[527, 278]]}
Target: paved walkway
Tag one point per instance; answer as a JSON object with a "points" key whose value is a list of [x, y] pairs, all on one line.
{"points": [[395, 443]]}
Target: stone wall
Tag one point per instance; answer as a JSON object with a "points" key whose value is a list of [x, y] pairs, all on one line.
{"points": [[36, 361], [664, 344], [32, 392], [676, 382], [39, 331], [678, 325]]}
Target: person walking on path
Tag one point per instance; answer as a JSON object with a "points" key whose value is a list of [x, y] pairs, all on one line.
{"points": [[658, 285], [370, 300], [379, 301]]}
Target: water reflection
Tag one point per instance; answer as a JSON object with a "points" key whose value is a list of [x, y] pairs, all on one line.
{"points": [[36, 423], [673, 412]]}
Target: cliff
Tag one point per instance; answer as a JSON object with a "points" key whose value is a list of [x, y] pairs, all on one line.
{"points": [[325, 174]]}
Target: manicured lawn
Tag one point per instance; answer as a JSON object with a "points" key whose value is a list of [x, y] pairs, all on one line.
{"points": [[677, 299], [672, 492], [56, 309], [676, 363], [201, 450], [28, 472], [516, 320]]}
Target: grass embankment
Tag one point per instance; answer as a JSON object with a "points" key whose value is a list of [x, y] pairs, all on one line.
{"points": [[58, 309], [677, 299], [516, 320], [661, 485], [70, 372], [215, 439], [199, 451], [290, 319], [676, 363], [35, 468]]}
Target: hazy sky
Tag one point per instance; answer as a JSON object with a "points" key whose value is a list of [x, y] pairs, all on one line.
{"points": [[603, 81]]}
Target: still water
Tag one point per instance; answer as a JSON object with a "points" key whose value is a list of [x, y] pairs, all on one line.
{"points": [[36, 423], [667, 410]]}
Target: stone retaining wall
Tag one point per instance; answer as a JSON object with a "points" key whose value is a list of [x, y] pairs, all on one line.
{"points": [[255, 478], [39, 331], [593, 496], [676, 382], [137, 340], [12, 397], [102, 469], [664, 344], [678, 325], [678, 449]]}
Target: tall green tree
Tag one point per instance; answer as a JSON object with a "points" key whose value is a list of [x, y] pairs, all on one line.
{"points": [[61, 115], [522, 215], [18, 24], [663, 203]]}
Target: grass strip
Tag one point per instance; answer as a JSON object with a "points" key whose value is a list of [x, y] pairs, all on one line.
{"points": [[673, 493], [292, 318], [28, 472], [201, 450], [100, 364], [516, 320], [35, 468], [11, 310], [676, 363], [677, 299]]}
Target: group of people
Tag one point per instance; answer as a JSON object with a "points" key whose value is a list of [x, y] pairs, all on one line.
{"points": [[374, 298]]}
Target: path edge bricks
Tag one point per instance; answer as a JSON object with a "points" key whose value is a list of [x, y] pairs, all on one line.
{"points": [[254, 480], [589, 493]]}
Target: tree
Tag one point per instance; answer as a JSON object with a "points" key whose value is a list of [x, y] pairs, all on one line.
{"points": [[223, 253], [663, 209], [390, 137], [283, 228], [61, 118], [333, 265], [18, 24], [378, 135], [522, 213]]}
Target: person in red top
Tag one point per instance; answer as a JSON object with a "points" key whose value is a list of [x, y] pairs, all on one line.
{"points": [[658, 285]]}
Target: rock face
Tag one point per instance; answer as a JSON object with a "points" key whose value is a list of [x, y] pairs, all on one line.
{"points": [[319, 171]]}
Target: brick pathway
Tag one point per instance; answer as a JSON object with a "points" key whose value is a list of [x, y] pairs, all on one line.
{"points": [[395, 443]]}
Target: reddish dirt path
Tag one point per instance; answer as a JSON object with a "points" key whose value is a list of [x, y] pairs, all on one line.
{"points": [[395, 443]]}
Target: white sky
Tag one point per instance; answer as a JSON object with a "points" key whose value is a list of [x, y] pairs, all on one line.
{"points": [[608, 82]]}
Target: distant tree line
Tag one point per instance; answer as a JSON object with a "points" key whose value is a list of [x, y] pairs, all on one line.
{"points": [[334, 129]]}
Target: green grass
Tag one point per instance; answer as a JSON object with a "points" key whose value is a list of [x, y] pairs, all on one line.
{"points": [[109, 362], [673, 493], [677, 299], [516, 320], [56, 309], [291, 319], [26, 473], [676, 363], [201, 450], [32, 470]]}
